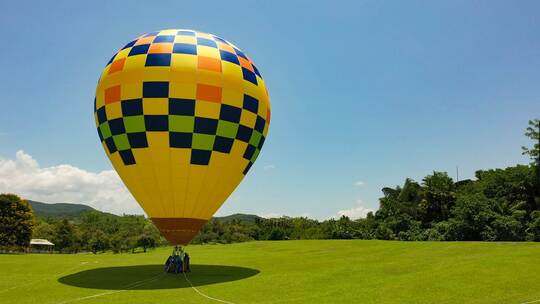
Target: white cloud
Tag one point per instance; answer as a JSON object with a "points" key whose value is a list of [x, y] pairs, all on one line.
{"points": [[355, 212], [65, 184], [278, 215], [269, 167], [359, 183]]}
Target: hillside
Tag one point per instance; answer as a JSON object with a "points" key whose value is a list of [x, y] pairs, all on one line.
{"points": [[62, 210], [65, 210], [243, 218]]}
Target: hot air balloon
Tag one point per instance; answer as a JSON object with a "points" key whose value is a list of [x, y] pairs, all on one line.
{"points": [[182, 116]]}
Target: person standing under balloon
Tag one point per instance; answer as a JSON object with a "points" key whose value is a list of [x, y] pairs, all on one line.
{"points": [[186, 263]]}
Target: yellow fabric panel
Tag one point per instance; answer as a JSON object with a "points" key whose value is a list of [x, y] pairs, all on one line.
{"points": [[232, 76], [105, 72], [100, 97], [238, 149], [204, 35], [195, 184], [248, 119], [162, 170], [227, 184], [156, 106], [265, 131], [171, 32], [131, 76], [217, 171], [158, 141], [114, 110], [180, 160], [185, 39], [145, 179], [122, 54], [183, 76], [232, 97], [109, 81], [250, 89], [180, 189], [263, 108], [207, 188], [135, 63], [131, 90], [184, 62], [182, 90], [116, 162], [203, 50], [156, 74], [209, 77], [207, 109]]}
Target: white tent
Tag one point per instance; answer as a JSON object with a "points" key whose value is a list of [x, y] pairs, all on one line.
{"points": [[41, 242], [40, 246]]}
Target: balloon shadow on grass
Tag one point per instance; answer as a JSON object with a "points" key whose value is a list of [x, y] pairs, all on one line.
{"points": [[145, 277]]}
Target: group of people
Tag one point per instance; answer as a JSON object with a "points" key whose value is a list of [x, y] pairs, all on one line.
{"points": [[178, 261]]}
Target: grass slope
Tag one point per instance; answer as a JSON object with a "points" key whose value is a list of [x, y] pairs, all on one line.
{"points": [[285, 272], [58, 210]]}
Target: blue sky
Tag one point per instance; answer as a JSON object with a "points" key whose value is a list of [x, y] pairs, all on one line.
{"points": [[366, 91]]}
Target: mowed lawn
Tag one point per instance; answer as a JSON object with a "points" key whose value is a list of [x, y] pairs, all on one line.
{"points": [[333, 271]]}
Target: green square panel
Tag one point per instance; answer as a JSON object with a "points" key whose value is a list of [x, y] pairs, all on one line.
{"points": [[105, 130], [227, 129], [121, 141], [134, 124], [181, 123], [254, 156], [203, 141], [255, 138]]}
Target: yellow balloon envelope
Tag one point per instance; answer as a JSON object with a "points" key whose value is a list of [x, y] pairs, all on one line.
{"points": [[182, 115]]}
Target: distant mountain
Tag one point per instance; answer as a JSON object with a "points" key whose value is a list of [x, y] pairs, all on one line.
{"points": [[58, 210], [73, 211], [244, 218]]}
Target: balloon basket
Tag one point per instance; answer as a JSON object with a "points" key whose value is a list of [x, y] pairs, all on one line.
{"points": [[178, 261]]}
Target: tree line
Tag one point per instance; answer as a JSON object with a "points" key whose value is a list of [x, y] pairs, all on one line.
{"points": [[96, 232], [92, 231], [498, 205]]}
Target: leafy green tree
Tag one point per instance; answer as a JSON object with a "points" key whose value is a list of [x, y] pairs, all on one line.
{"points": [[439, 197], [277, 234], [43, 230], [409, 198], [149, 238], [513, 185], [533, 132], [65, 237], [533, 228], [472, 216], [98, 241], [16, 221]]}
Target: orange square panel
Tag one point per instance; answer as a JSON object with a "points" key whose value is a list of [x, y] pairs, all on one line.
{"points": [[208, 93], [208, 63], [117, 65], [246, 64], [226, 47], [145, 40], [160, 48], [112, 94]]}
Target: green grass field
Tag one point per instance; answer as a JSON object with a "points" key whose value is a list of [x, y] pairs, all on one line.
{"points": [[285, 272]]}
